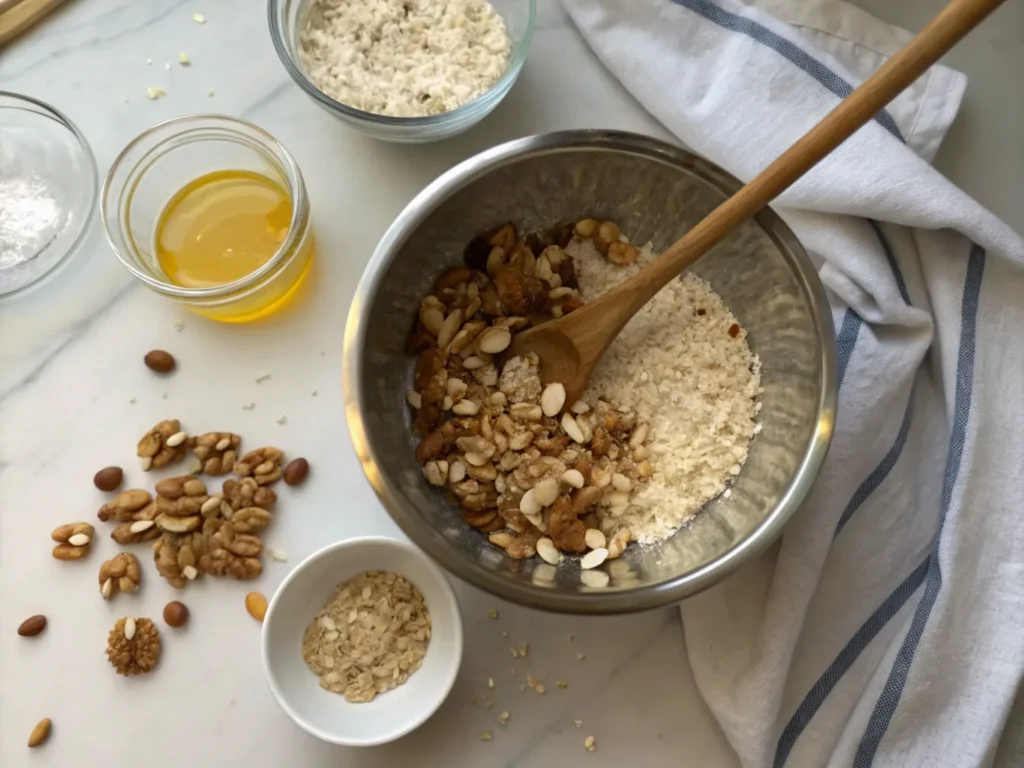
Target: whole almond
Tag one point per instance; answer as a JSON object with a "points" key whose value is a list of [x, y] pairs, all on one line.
{"points": [[39, 733], [32, 626], [160, 361], [175, 614], [296, 471], [256, 605], [108, 478]]}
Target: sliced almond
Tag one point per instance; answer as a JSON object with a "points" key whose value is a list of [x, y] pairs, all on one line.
{"points": [[456, 472], [494, 340], [594, 538], [173, 524], [526, 412], [414, 398], [465, 408], [548, 552], [573, 478], [546, 492], [552, 399], [529, 505], [621, 483], [572, 429], [593, 558], [129, 628], [639, 435]]}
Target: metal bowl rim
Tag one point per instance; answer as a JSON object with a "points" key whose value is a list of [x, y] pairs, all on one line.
{"points": [[598, 601]]}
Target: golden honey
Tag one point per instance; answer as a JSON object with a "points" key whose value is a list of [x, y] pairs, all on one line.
{"points": [[222, 227]]}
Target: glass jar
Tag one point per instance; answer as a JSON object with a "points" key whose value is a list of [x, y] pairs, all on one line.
{"points": [[158, 164]]}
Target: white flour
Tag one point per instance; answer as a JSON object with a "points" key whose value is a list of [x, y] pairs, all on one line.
{"points": [[683, 373]]}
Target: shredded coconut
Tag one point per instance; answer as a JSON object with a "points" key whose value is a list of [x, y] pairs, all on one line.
{"points": [[404, 58], [683, 364]]}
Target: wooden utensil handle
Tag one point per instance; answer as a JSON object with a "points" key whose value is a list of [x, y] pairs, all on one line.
{"points": [[944, 31]]}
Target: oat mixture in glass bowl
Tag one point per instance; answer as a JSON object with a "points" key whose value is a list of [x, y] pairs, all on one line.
{"points": [[409, 72]]}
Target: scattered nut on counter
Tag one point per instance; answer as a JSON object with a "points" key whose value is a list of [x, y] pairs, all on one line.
{"points": [[256, 605], [120, 574], [163, 444], [32, 626], [40, 733], [217, 452], [263, 464], [133, 646], [175, 614], [296, 471], [74, 540], [160, 361], [108, 478]]}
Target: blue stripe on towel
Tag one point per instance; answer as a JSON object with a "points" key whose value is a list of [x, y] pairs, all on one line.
{"points": [[889, 699], [850, 653], [879, 473], [788, 50], [846, 340], [900, 282]]}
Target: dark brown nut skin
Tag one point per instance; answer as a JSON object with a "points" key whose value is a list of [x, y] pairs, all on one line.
{"points": [[32, 626], [175, 614], [160, 361], [108, 478], [296, 471]]}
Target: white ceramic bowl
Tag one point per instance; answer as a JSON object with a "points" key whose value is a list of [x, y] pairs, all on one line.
{"points": [[305, 591]]}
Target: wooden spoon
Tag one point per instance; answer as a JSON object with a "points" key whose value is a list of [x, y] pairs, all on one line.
{"points": [[570, 347]]}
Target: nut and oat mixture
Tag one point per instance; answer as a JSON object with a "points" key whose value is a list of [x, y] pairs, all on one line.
{"points": [[370, 637], [663, 428], [683, 364], [404, 58]]}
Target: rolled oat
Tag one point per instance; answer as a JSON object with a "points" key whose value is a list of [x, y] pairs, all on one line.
{"points": [[370, 637]]}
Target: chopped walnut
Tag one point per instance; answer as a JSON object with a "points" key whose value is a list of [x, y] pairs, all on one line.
{"points": [[120, 574], [217, 451], [263, 464], [162, 445], [246, 492], [126, 506], [133, 646], [521, 462], [181, 496]]}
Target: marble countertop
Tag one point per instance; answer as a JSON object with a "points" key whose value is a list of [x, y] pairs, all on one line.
{"points": [[70, 369], [74, 397]]}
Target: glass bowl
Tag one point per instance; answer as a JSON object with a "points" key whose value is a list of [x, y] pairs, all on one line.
{"points": [[162, 161], [48, 186], [287, 17]]}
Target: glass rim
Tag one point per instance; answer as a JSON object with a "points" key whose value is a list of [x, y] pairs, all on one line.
{"points": [[296, 228], [50, 111], [468, 109]]}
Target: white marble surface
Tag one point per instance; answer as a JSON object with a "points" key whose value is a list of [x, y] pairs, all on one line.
{"points": [[70, 363]]}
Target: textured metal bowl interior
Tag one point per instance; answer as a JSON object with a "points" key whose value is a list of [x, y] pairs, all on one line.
{"points": [[655, 192]]}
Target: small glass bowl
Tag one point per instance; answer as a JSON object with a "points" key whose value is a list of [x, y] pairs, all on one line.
{"points": [[287, 18], [48, 185], [159, 163]]}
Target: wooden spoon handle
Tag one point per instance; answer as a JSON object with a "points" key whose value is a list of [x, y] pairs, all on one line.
{"points": [[944, 31]]}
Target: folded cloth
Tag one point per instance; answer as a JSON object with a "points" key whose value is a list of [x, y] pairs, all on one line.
{"points": [[887, 627]]}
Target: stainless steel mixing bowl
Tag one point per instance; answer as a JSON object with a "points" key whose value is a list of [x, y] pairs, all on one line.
{"points": [[655, 192]]}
